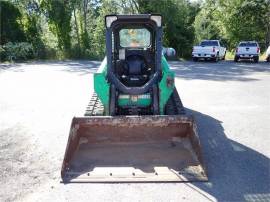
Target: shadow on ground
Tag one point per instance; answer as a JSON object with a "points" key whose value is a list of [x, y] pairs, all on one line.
{"points": [[80, 66], [236, 172], [221, 71], [15, 67], [73, 66]]}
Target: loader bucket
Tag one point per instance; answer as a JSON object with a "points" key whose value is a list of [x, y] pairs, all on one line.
{"points": [[133, 149]]}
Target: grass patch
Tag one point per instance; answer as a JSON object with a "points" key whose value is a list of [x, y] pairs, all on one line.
{"points": [[229, 55]]}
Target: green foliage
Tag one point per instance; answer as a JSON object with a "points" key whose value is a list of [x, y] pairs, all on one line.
{"points": [[59, 16], [75, 29], [234, 21], [16, 51], [11, 29], [33, 35], [98, 36], [205, 24], [248, 21], [177, 22]]}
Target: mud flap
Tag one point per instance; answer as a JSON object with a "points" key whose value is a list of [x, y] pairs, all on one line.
{"points": [[133, 149]]}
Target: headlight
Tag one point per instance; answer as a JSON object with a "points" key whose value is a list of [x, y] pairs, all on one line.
{"points": [[110, 20], [157, 19]]}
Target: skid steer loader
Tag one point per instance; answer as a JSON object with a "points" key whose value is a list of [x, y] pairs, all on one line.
{"points": [[135, 128]]}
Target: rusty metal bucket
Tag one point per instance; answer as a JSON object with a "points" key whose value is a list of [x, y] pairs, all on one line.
{"points": [[133, 149]]}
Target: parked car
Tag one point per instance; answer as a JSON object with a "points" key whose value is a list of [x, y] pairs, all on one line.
{"points": [[209, 49], [268, 54], [247, 50]]}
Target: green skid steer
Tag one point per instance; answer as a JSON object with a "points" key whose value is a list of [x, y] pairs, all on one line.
{"points": [[135, 128]]}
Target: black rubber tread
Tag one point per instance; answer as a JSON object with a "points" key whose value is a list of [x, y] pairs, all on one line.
{"points": [[195, 59], [155, 100], [95, 107], [174, 105], [224, 57], [91, 104], [256, 59], [112, 106]]}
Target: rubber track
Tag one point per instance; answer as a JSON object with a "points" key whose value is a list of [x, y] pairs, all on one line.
{"points": [[95, 107], [174, 105]]}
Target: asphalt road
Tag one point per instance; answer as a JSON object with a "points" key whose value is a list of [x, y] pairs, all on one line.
{"points": [[231, 103]]}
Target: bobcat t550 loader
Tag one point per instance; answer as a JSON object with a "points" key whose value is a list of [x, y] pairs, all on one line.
{"points": [[135, 128]]}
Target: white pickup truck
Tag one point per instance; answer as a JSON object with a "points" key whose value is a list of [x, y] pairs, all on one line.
{"points": [[247, 50], [209, 49]]}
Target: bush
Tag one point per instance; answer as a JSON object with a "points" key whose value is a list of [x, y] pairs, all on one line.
{"points": [[16, 51]]}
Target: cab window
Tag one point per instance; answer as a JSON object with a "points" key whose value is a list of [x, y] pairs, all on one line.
{"points": [[135, 38]]}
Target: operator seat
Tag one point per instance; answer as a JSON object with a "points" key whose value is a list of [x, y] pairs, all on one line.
{"points": [[135, 71]]}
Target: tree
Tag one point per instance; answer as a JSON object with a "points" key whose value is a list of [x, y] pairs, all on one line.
{"points": [[234, 21], [75, 28], [177, 23], [59, 17], [206, 22], [246, 20], [11, 29]]}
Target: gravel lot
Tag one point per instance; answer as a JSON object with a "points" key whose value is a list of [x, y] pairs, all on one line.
{"points": [[231, 102]]}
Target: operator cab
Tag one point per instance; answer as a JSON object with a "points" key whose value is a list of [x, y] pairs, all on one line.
{"points": [[133, 51]]}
